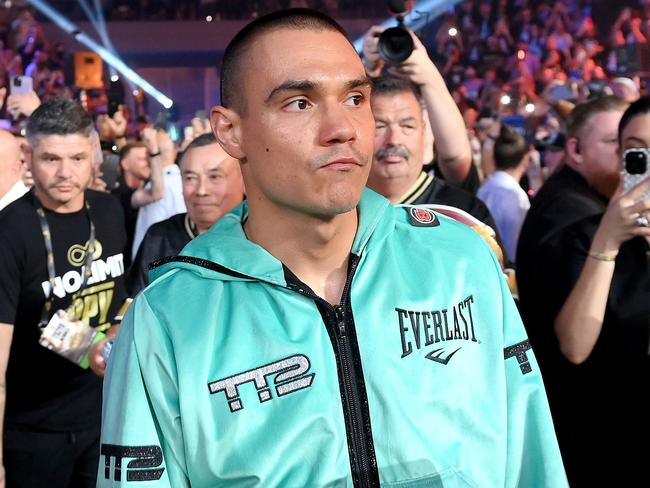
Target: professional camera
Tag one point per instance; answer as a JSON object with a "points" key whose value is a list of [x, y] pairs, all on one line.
{"points": [[395, 44]]}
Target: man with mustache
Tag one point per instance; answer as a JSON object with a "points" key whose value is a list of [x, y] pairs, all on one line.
{"points": [[300, 341], [61, 251], [400, 144]]}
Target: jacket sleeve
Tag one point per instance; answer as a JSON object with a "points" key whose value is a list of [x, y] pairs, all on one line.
{"points": [[141, 438], [533, 456]]}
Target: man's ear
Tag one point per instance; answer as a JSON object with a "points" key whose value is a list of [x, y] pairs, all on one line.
{"points": [[573, 151], [27, 155], [226, 125]]}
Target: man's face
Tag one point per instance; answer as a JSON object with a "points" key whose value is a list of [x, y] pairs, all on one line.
{"points": [[306, 133], [598, 143], [212, 184], [399, 137], [553, 158], [61, 166], [137, 164]]}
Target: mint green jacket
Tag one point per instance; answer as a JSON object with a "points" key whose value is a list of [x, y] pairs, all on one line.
{"points": [[230, 372]]}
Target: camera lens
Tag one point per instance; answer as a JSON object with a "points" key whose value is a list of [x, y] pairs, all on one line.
{"points": [[636, 162], [18, 82], [395, 45]]}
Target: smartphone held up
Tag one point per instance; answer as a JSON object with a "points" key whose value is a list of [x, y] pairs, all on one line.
{"points": [[21, 85], [636, 168]]}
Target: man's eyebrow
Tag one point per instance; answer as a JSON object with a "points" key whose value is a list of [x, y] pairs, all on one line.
{"points": [[358, 83], [306, 85], [290, 85], [50, 155]]}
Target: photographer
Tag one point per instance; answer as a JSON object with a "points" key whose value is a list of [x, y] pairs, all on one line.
{"points": [[453, 152]]}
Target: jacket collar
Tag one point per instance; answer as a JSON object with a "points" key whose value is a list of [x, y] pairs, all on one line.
{"points": [[225, 253]]}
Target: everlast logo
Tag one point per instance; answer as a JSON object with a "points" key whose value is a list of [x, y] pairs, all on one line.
{"points": [[137, 470], [425, 328], [290, 377]]}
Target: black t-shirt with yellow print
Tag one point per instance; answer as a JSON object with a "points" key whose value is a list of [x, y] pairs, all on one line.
{"points": [[45, 390]]}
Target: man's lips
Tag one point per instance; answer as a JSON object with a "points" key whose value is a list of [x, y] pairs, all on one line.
{"points": [[64, 188], [392, 159], [342, 164]]}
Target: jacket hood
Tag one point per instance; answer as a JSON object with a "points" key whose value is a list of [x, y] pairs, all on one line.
{"points": [[225, 253]]}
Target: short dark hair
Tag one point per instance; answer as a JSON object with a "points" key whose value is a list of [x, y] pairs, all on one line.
{"points": [[390, 85], [202, 140], [509, 148], [234, 55], [126, 150], [636, 109], [582, 114], [58, 116]]}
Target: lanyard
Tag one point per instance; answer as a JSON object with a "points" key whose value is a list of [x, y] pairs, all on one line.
{"points": [[47, 238]]}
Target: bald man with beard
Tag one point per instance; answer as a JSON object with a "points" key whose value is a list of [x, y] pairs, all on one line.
{"points": [[11, 170]]}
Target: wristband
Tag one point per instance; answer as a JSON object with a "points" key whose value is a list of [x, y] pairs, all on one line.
{"points": [[85, 362], [602, 257], [153, 155]]}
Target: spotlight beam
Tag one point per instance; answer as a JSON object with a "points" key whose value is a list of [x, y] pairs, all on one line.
{"points": [[106, 55], [96, 17]]}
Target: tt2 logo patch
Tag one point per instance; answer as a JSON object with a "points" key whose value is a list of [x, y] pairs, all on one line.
{"points": [[519, 351], [140, 469], [290, 377]]}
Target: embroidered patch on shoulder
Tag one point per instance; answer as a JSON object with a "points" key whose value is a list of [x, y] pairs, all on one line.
{"points": [[422, 217], [519, 351]]}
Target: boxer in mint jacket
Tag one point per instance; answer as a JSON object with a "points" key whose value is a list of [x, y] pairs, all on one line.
{"points": [[228, 371]]}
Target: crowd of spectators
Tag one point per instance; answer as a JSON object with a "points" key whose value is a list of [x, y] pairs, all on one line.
{"points": [[524, 63], [514, 68], [499, 58], [529, 49], [25, 50], [134, 10]]}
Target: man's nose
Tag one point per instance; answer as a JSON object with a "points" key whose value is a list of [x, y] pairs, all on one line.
{"points": [[201, 188], [64, 169], [393, 136], [337, 124]]}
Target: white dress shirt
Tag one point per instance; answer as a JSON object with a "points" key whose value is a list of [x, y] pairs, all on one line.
{"points": [[171, 204]]}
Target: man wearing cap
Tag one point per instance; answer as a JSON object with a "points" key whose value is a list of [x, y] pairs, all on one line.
{"points": [[553, 153]]}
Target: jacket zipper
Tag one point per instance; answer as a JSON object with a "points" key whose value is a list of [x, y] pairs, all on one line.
{"points": [[362, 460]]}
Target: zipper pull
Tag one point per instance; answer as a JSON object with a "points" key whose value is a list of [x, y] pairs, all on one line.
{"points": [[340, 320]]}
